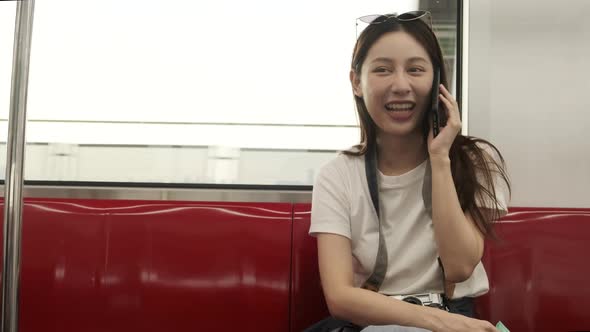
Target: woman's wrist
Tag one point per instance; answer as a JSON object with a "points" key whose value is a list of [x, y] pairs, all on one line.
{"points": [[442, 161], [432, 318]]}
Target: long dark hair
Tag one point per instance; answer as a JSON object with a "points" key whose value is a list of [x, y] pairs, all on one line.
{"points": [[467, 154]]}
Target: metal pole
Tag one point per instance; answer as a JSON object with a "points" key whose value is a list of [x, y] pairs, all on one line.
{"points": [[15, 148]]}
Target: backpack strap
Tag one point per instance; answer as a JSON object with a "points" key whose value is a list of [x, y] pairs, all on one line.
{"points": [[376, 278]]}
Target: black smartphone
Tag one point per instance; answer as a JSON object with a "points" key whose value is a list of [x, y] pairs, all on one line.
{"points": [[436, 120]]}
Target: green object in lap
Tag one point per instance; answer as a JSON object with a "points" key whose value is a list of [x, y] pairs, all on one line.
{"points": [[501, 327]]}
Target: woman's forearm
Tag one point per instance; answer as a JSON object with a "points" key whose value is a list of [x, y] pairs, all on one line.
{"points": [[460, 245], [364, 307]]}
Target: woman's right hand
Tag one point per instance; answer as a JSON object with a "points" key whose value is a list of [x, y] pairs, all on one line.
{"points": [[448, 322]]}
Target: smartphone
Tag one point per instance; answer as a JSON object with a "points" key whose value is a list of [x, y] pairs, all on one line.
{"points": [[436, 119]]}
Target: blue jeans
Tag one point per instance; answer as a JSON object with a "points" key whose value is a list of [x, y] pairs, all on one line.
{"points": [[463, 306]]}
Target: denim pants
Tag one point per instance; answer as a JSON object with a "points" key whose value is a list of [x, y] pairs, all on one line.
{"points": [[463, 306]]}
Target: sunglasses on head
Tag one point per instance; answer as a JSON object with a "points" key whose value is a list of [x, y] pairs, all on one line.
{"points": [[404, 17]]}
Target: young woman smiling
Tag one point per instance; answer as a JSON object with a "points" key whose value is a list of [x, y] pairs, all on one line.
{"points": [[435, 200]]}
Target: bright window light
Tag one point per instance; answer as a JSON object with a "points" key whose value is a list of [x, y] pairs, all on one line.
{"points": [[191, 65]]}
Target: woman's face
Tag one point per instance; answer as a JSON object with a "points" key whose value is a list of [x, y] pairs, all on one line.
{"points": [[395, 83]]}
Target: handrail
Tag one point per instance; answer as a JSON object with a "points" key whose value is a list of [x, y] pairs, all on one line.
{"points": [[15, 165]]}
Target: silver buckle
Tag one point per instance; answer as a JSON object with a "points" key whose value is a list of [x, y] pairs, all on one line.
{"points": [[426, 299]]}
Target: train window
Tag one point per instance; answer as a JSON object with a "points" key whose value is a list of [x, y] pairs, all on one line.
{"points": [[217, 92]]}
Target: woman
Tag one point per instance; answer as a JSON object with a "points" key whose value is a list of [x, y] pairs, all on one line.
{"points": [[435, 201]]}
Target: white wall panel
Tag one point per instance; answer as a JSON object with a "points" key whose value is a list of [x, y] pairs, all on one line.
{"points": [[529, 86]]}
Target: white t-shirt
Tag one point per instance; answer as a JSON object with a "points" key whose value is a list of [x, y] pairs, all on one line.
{"points": [[341, 204]]}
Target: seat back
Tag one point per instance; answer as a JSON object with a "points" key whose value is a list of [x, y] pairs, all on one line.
{"points": [[99, 265]]}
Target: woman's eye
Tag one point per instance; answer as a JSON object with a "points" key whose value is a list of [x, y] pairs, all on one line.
{"points": [[381, 70], [416, 70]]}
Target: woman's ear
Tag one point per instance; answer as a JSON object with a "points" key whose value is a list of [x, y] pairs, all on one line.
{"points": [[355, 81]]}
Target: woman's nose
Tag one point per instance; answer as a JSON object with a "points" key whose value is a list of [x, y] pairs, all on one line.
{"points": [[400, 84]]}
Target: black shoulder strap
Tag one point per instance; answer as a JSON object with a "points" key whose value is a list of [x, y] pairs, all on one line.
{"points": [[376, 278]]}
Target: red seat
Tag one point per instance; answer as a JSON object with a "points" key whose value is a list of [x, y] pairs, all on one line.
{"points": [[538, 272], [101, 265], [90, 265]]}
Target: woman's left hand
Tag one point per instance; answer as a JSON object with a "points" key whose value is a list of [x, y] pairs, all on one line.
{"points": [[440, 146]]}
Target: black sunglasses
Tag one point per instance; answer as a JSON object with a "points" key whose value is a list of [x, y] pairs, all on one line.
{"points": [[404, 17]]}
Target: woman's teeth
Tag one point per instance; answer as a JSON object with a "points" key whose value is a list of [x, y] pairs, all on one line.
{"points": [[399, 107]]}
